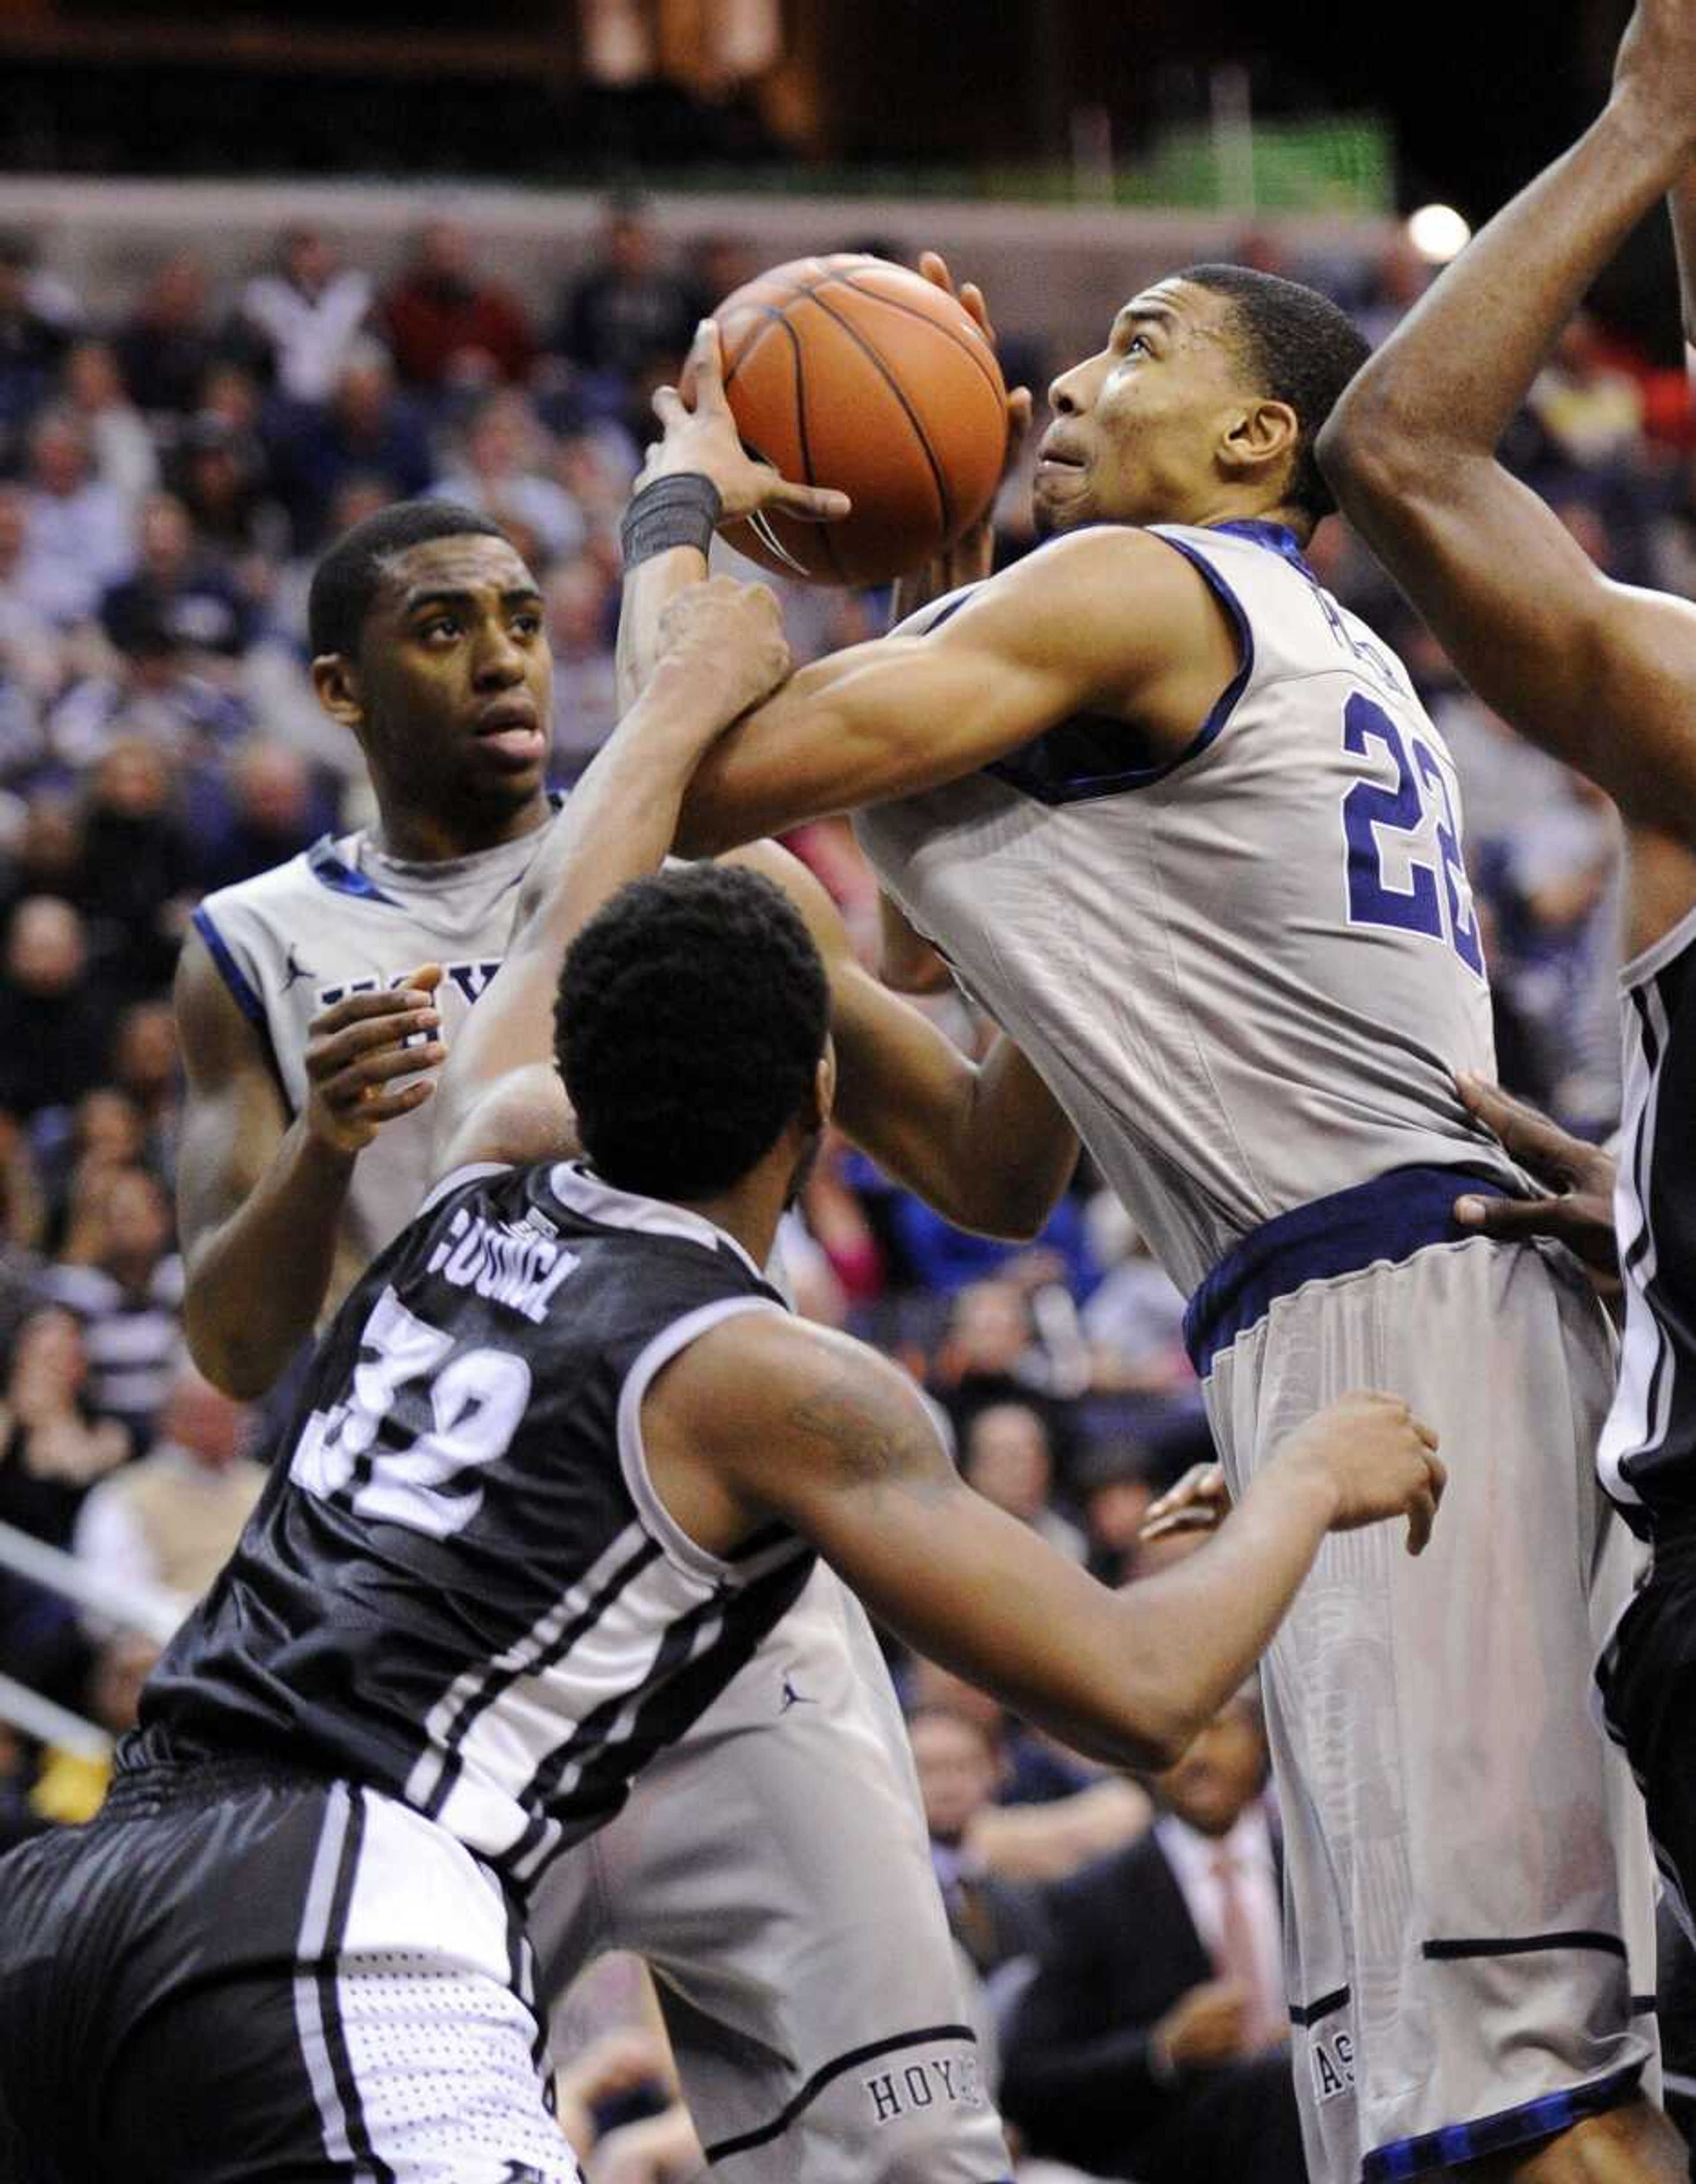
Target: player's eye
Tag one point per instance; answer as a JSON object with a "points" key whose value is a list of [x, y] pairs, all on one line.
{"points": [[527, 624], [1139, 341], [440, 626]]}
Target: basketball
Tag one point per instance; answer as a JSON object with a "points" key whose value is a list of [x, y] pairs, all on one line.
{"points": [[851, 372]]}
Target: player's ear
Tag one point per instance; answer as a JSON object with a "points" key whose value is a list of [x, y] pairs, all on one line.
{"points": [[1259, 439], [336, 681], [825, 1081]]}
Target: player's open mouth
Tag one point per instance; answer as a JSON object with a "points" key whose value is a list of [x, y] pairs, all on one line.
{"points": [[513, 731]]}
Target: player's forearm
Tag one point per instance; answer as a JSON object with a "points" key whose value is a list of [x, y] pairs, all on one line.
{"points": [[1448, 381], [258, 1280], [1197, 1629], [649, 590]]}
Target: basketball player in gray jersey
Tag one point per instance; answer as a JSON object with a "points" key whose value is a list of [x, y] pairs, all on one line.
{"points": [[311, 1039], [1180, 822], [1604, 677]]}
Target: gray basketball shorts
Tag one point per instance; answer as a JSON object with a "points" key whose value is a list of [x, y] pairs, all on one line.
{"points": [[1469, 1896], [773, 1869]]}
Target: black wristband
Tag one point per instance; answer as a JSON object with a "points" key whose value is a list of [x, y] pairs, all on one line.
{"points": [[682, 511]]}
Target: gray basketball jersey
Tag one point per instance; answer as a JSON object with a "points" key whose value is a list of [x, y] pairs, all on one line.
{"points": [[344, 917], [1250, 972]]}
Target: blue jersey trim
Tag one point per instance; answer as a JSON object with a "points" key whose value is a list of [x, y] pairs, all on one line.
{"points": [[1277, 538], [1059, 766], [1386, 1220], [329, 871], [1493, 2134], [233, 977]]}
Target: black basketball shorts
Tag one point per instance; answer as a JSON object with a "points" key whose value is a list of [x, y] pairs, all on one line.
{"points": [[237, 1974]]}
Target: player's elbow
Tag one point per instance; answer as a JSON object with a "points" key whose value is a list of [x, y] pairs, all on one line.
{"points": [[241, 1368], [1368, 452]]}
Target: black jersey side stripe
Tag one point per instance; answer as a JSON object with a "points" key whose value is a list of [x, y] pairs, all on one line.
{"points": [[530, 1659]]}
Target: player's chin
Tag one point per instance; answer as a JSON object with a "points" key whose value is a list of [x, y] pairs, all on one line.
{"points": [[1057, 507]]}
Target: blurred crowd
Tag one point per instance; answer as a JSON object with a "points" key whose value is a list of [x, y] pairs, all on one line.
{"points": [[168, 474]]}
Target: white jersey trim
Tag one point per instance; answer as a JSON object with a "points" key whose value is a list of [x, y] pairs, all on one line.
{"points": [[472, 1171], [576, 1187], [1654, 959], [679, 1548]]}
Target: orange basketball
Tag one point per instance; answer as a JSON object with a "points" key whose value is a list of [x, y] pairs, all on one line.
{"points": [[851, 372]]}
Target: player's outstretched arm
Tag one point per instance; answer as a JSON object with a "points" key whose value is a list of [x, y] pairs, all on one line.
{"points": [[986, 1143], [786, 1420], [1602, 675], [722, 649], [1683, 207], [261, 1198]]}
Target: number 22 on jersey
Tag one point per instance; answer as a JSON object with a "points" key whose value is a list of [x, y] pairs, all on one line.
{"points": [[1437, 904]]}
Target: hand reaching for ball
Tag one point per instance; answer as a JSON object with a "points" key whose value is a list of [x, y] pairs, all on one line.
{"points": [[700, 438]]}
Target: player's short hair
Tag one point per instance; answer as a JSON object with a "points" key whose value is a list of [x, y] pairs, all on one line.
{"points": [[692, 1014], [348, 579], [1301, 349]]}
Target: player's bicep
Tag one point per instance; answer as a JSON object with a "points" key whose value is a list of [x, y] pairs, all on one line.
{"points": [[234, 1114], [833, 1439]]}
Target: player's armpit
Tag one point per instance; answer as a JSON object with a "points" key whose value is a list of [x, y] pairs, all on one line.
{"points": [[986, 1144], [1108, 621]]}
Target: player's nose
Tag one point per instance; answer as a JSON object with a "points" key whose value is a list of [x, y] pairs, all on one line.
{"points": [[1066, 393], [498, 662]]}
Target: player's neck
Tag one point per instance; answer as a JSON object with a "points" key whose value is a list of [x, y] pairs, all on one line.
{"points": [[418, 837], [750, 1211]]}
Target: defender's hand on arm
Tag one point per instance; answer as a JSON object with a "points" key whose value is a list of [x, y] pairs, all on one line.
{"points": [[1578, 1209]]}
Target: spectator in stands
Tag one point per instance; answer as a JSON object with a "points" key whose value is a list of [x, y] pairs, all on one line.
{"points": [[122, 449], [959, 1763], [54, 1030], [32, 342], [449, 324], [171, 1521], [1152, 2042], [303, 317], [273, 815], [175, 588], [123, 1281], [499, 473], [1590, 408], [137, 871], [31, 661], [71, 1785], [627, 311], [717, 266], [79, 534], [221, 474], [367, 430], [581, 605], [1116, 1485], [989, 1354], [166, 346], [150, 694], [1134, 1320], [146, 1071], [52, 1446], [1007, 1455]]}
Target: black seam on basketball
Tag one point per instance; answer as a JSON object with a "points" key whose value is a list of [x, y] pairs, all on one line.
{"points": [[773, 317], [825, 2075], [825, 538], [991, 376], [944, 502]]}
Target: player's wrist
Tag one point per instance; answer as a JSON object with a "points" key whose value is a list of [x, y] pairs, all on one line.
{"points": [[1645, 132], [1304, 1471], [670, 509]]}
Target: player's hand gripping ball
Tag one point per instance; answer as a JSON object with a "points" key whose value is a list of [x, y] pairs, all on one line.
{"points": [[851, 372]]}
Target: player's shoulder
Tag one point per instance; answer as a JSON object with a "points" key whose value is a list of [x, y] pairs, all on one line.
{"points": [[774, 1375], [1127, 569], [327, 869]]}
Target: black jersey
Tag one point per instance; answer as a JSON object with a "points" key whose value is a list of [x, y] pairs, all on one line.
{"points": [[460, 1585], [1648, 1449]]}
